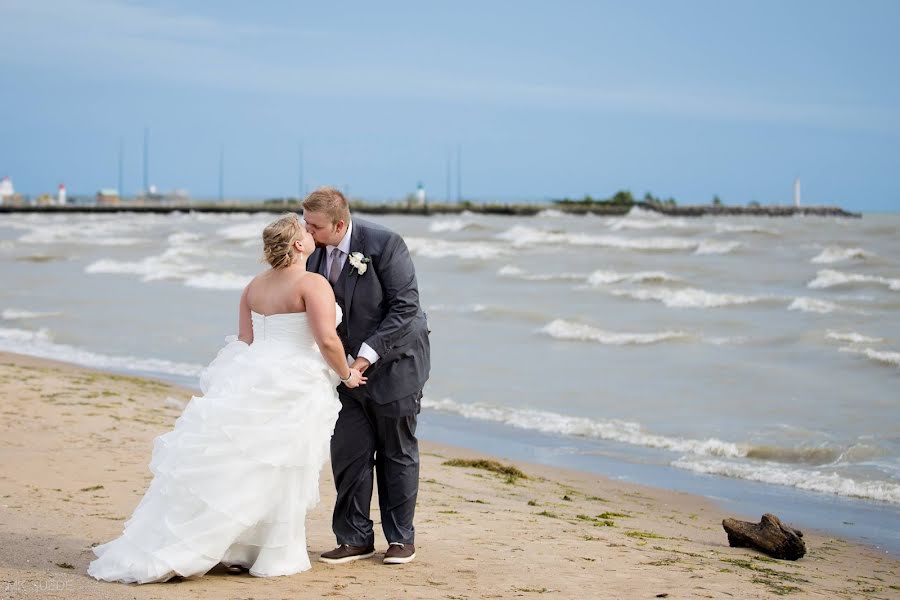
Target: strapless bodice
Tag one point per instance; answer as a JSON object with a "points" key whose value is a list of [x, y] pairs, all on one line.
{"points": [[285, 328]]}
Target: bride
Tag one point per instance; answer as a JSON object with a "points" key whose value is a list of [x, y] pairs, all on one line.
{"points": [[233, 481]]}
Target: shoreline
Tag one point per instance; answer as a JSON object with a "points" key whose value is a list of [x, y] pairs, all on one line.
{"points": [[525, 210], [76, 445]]}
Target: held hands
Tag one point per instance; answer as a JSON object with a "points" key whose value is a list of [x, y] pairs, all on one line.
{"points": [[355, 379], [361, 363]]}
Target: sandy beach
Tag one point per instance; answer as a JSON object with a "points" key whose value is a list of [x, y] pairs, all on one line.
{"points": [[75, 446]]}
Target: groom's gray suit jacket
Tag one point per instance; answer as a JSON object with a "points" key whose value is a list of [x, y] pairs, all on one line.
{"points": [[381, 308]]}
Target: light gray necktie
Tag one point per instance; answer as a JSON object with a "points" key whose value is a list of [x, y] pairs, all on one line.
{"points": [[335, 271]]}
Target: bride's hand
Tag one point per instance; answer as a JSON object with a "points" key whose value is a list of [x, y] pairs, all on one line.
{"points": [[356, 379]]}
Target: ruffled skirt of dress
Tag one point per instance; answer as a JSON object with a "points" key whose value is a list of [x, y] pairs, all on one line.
{"points": [[234, 479]]}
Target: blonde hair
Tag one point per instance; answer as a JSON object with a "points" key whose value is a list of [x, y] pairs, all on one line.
{"points": [[330, 201], [278, 240]]}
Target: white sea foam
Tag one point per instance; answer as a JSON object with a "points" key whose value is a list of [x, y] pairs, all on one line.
{"points": [[218, 281], [813, 305], [39, 343], [806, 479], [568, 330], [716, 247], [92, 232], [521, 236], [437, 248], [513, 272], [689, 297], [833, 254], [550, 213], [14, 314], [885, 357], [601, 277], [184, 237], [828, 278], [731, 228], [555, 423], [641, 219], [452, 225], [852, 337], [171, 264], [245, 232]]}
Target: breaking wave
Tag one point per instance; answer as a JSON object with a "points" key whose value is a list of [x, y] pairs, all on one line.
{"points": [[813, 305], [101, 231], [15, 314], [641, 219], [246, 233], [521, 235], [555, 423], [828, 278], [568, 330], [218, 281], [600, 278], [833, 254], [768, 464], [513, 272], [884, 357], [716, 247], [452, 225], [40, 344], [805, 479], [689, 297], [731, 228], [436, 248], [852, 337]]}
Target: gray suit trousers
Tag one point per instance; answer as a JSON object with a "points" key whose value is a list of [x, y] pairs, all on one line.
{"points": [[368, 435]]}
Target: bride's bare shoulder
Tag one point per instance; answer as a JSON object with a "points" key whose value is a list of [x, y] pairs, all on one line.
{"points": [[314, 283]]}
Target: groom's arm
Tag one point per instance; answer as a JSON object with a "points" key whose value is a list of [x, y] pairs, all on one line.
{"points": [[401, 294]]}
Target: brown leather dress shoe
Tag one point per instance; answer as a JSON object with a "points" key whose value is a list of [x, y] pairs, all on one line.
{"points": [[346, 553], [399, 554]]}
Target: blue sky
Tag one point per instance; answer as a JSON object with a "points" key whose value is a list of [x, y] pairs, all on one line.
{"points": [[685, 99]]}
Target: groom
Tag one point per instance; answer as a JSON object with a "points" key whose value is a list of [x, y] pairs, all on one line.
{"points": [[385, 335]]}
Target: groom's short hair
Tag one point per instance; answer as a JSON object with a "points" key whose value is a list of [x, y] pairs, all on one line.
{"points": [[329, 201]]}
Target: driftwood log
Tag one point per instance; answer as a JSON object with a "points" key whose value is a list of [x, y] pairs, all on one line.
{"points": [[770, 535]]}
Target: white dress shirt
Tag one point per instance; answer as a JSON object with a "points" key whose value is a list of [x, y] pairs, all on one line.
{"points": [[365, 351]]}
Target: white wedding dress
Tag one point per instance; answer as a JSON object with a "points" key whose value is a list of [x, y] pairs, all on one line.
{"points": [[233, 481]]}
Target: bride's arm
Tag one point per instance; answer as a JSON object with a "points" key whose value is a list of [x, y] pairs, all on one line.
{"points": [[319, 299], [245, 322]]}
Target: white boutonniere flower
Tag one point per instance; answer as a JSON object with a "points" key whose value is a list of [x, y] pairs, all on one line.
{"points": [[359, 262]]}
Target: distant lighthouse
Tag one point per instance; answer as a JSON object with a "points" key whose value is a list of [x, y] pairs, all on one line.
{"points": [[61, 195], [797, 192], [420, 194]]}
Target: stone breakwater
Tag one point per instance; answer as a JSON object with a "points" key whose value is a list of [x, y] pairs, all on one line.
{"points": [[439, 209]]}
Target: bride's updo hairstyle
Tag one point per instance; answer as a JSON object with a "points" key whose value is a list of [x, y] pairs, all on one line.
{"points": [[278, 240]]}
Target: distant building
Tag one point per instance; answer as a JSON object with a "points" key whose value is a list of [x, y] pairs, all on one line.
{"points": [[61, 195], [45, 200], [797, 192], [107, 197], [6, 190]]}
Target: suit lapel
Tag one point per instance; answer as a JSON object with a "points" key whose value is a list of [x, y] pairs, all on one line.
{"points": [[349, 275], [317, 262]]}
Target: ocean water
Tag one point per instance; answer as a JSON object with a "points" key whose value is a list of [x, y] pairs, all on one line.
{"points": [[735, 357]]}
